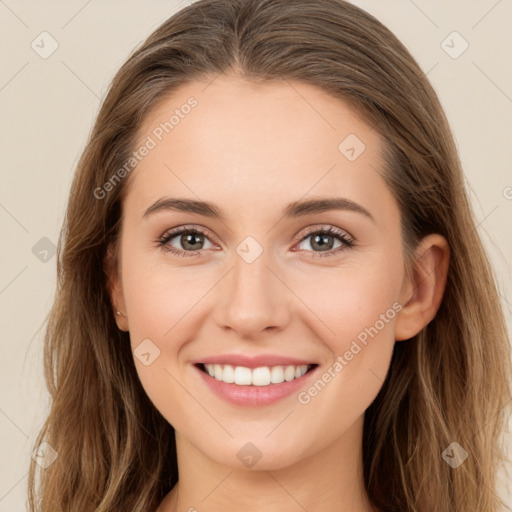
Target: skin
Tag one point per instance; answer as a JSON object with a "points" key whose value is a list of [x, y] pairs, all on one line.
{"points": [[252, 149]]}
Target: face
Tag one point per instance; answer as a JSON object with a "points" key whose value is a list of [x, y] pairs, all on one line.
{"points": [[293, 286]]}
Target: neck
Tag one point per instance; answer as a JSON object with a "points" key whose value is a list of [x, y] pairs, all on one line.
{"points": [[331, 479]]}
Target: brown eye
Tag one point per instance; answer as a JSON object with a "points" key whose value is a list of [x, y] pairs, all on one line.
{"points": [[323, 242], [184, 241]]}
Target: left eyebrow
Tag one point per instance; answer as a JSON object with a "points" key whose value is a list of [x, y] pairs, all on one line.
{"points": [[295, 209], [300, 208]]}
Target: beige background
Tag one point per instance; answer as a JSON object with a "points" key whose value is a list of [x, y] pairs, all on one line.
{"points": [[47, 107]]}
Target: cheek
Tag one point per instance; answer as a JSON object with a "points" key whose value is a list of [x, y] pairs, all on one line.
{"points": [[160, 304], [359, 306], [159, 296], [353, 298]]}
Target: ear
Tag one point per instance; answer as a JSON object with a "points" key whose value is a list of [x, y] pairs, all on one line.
{"points": [[115, 287], [423, 290]]}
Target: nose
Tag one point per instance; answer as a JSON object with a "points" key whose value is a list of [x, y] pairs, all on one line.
{"points": [[253, 299]]}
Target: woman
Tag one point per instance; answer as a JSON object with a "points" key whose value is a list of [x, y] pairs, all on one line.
{"points": [[270, 281]]}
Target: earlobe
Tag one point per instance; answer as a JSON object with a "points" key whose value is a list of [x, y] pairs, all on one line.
{"points": [[423, 293], [115, 289]]}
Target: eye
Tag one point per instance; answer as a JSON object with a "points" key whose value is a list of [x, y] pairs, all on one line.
{"points": [[324, 239], [191, 241]]}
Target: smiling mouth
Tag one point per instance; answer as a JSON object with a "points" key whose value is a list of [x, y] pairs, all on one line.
{"points": [[260, 376]]}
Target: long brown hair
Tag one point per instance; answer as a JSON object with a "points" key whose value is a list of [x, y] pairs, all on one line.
{"points": [[115, 451]]}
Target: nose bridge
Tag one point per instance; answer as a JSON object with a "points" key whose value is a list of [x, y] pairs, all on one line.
{"points": [[254, 298]]}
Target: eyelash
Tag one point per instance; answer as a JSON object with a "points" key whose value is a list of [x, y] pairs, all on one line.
{"points": [[346, 240]]}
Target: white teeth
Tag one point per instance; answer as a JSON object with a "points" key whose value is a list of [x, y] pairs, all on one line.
{"points": [[261, 376], [228, 374], [217, 368], [277, 375], [242, 376], [289, 373]]}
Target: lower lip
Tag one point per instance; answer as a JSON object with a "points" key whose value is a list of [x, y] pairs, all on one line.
{"points": [[254, 396]]}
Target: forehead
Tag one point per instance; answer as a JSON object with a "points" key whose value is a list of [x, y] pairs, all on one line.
{"points": [[231, 138]]}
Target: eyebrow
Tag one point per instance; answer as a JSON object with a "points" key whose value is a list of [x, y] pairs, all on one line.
{"points": [[295, 209]]}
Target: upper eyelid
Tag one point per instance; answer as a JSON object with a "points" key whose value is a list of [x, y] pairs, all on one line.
{"points": [[315, 229], [173, 232]]}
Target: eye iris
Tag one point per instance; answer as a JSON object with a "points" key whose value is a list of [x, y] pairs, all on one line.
{"points": [[320, 239], [191, 239]]}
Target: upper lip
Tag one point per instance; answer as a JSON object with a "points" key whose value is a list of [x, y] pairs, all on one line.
{"points": [[254, 361]]}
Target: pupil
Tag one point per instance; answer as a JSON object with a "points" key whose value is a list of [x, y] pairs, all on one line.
{"points": [[190, 239], [323, 244]]}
